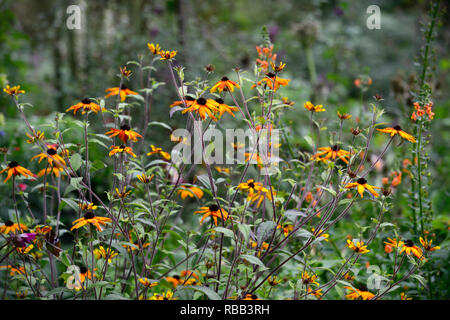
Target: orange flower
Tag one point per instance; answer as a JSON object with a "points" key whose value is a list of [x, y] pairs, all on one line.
{"points": [[427, 245], [155, 150], [269, 80], [121, 149], [13, 91], [203, 107], [222, 107], [344, 116], [359, 247], [124, 133], [331, 152], [154, 48], [188, 100], [311, 107], [52, 156], [192, 192], [398, 130], [14, 169], [90, 218], [10, 226], [85, 105], [356, 294], [224, 84], [361, 185], [214, 211], [123, 90], [410, 248], [167, 55]]}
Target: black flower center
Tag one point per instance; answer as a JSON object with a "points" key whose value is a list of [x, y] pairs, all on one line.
{"points": [[176, 277], [9, 223], [125, 127], [213, 207], [220, 100], [123, 87], [189, 98], [335, 147], [13, 164], [270, 75], [361, 181], [122, 147], [398, 128], [86, 101], [201, 101], [225, 79], [51, 151], [251, 185], [254, 296], [88, 215], [83, 270], [409, 243]]}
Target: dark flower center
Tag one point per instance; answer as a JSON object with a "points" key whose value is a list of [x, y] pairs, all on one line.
{"points": [[176, 277], [398, 128], [251, 185], [51, 151], [335, 147], [189, 98], [125, 127], [89, 215], [123, 87], [86, 101], [409, 243], [254, 296], [9, 223], [13, 164], [213, 207], [220, 100], [201, 101], [122, 147], [361, 181], [270, 75], [224, 79], [83, 270]]}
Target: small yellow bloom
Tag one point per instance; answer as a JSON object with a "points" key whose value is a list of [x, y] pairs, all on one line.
{"points": [[192, 192], [361, 185], [155, 150], [167, 55], [100, 252], [359, 248], [13, 91], [398, 130], [311, 107], [154, 48]]}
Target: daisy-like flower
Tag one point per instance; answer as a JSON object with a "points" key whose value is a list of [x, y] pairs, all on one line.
{"points": [[13, 91], [403, 296], [124, 193], [203, 107], [10, 226], [155, 150], [52, 156], [164, 296], [167, 55], [327, 153], [87, 206], [316, 293], [121, 149], [287, 228], [90, 218], [359, 247], [273, 281], [214, 211], [348, 276], [344, 116], [409, 248], [251, 187], [398, 130], [14, 169], [25, 250], [85, 105], [224, 84], [308, 280], [264, 246], [222, 107], [56, 170], [222, 169], [311, 107], [85, 273], [320, 234], [148, 283], [188, 101], [356, 294], [124, 133], [269, 80], [123, 90], [125, 72], [392, 243], [249, 296], [101, 252], [361, 185], [279, 67], [192, 192], [427, 244], [144, 178], [14, 270], [37, 136], [154, 48]]}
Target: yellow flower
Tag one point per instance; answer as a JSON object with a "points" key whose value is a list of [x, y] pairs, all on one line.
{"points": [[410, 248], [14, 270], [191, 192], [164, 296], [85, 105], [203, 107], [273, 281], [269, 80], [427, 244], [87, 206], [321, 234], [123, 90], [356, 294], [167, 55], [277, 68], [100, 252], [332, 153], [13, 91], [90, 218], [147, 283], [222, 107], [155, 150], [344, 116], [264, 246], [154, 48], [308, 280], [359, 248], [121, 149], [361, 185], [14, 169], [316, 293], [10, 226], [144, 178], [38, 136], [124, 193], [124, 133], [311, 107], [214, 211], [398, 130], [287, 228], [52, 156], [222, 169], [224, 84]]}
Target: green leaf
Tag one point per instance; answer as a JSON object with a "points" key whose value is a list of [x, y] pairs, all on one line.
{"points": [[265, 229], [210, 293], [76, 161], [254, 260]]}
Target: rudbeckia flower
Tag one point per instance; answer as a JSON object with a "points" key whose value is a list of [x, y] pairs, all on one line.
{"points": [[167, 55], [214, 211], [85, 105], [123, 90], [124, 193], [308, 280], [361, 185], [249, 296], [90, 218], [121, 149], [277, 68], [148, 283], [327, 153], [124, 133], [222, 107], [87, 206], [14, 270], [155, 150], [13, 91], [203, 107], [356, 294], [164, 296], [101, 252], [188, 101], [144, 178], [320, 234], [427, 244], [410, 248], [54, 169], [398, 130], [403, 296], [222, 169], [344, 116], [14, 169], [37, 136], [52, 156], [359, 248], [252, 188], [154, 48], [311, 107], [269, 81], [10, 226], [264, 246], [224, 84], [85, 273], [192, 192], [273, 281], [287, 228], [25, 250]]}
